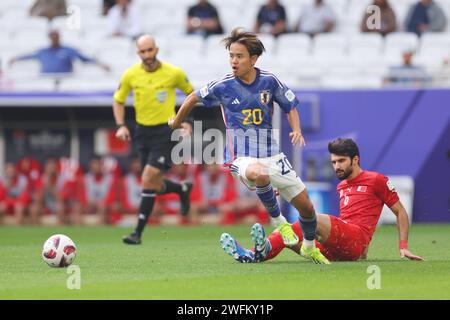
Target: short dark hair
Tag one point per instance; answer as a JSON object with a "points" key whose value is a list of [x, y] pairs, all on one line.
{"points": [[344, 147], [249, 39]]}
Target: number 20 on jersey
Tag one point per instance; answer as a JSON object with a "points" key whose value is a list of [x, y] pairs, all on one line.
{"points": [[252, 116]]}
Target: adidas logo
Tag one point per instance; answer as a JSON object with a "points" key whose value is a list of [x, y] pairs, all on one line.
{"points": [[235, 101]]}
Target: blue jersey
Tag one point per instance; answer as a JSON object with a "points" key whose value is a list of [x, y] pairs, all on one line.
{"points": [[57, 60], [247, 110]]}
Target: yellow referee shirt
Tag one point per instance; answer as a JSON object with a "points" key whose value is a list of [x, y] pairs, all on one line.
{"points": [[154, 92]]}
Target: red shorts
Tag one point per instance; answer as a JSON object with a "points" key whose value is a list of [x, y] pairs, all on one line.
{"points": [[346, 242]]}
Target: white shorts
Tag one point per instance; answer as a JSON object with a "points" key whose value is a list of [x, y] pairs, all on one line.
{"points": [[282, 175]]}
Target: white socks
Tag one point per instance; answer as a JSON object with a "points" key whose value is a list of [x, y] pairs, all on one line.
{"points": [[309, 244], [278, 220]]}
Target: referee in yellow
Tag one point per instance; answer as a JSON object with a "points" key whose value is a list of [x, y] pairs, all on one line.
{"points": [[153, 83]]}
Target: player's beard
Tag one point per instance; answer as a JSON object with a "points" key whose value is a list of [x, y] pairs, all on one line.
{"points": [[344, 174]]}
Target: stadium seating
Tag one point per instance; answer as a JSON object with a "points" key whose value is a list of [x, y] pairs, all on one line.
{"points": [[27, 84], [297, 43], [363, 44], [26, 69], [295, 57], [81, 83], [435, 41]]}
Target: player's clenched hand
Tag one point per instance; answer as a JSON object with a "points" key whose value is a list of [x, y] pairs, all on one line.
{"points": [[297, 138], [123, 133], [406, 253]]}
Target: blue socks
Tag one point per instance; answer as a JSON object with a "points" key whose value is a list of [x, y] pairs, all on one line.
{"points": [[309, 226], [269, 200]]}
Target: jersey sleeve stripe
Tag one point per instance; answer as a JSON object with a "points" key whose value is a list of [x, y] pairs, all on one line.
{"points": [[214, 83], [220, 79]]}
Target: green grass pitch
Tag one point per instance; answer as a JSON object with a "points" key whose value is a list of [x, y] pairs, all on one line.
{"points": [[188, 263]]}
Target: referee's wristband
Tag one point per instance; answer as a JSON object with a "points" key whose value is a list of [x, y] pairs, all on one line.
{"points": [[403, 244], [120, 126]]}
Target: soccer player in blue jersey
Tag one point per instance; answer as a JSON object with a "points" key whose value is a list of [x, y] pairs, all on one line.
{"points": [[246, 97]]}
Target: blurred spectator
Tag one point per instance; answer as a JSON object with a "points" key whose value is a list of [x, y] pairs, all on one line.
{"points": [[57, 59], [97, 192], [47, 198], [107, 4], [110, 164], [70, 176], [203, 19], [248, 208], [14, 194], [388, 21], [125, 20], [408, 74], [213, 195], [49, 8], [425, 16], [131, 188], [271, 19], [31, 168], [316, 18], [169, 204]]}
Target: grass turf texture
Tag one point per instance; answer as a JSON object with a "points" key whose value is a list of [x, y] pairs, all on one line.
{"points": [[188, 263]]}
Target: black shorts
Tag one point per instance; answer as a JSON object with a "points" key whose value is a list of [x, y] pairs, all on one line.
{"points": [[154, 145]]}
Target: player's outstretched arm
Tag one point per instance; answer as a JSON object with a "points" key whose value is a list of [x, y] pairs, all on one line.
{"points": [[185, 109], [403, 229]]}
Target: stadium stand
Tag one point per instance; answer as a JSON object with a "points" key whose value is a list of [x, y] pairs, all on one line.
{"points": [[326, 55]]}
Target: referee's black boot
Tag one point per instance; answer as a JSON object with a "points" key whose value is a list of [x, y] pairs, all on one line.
{"points": [[184, 198], [132, 239]]}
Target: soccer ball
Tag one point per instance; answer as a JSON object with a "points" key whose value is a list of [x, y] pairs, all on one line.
{"points": [[59, 251]]}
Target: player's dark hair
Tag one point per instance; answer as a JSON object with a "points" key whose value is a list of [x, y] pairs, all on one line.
{"points": [[249, 39], [344, 147]]}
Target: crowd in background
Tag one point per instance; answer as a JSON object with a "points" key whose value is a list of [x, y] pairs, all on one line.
{"points": [[203, 17], [64, 192], [317, 17], [125, 20]]}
